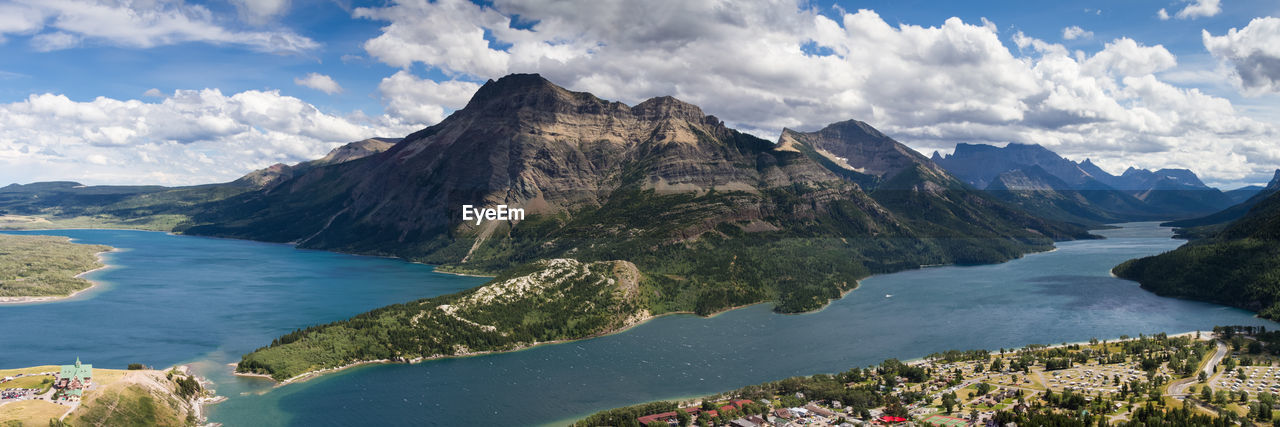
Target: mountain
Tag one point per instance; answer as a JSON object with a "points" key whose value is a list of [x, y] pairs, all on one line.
{"points": [[1241, 194], [855, 150], [1236, 266], [1065, 190], [711, 218], [653, 175], [1214, 221], [153, 207], [1173, 190], [1084, 188], [1046, 195], [280, 172], [979, 164]]}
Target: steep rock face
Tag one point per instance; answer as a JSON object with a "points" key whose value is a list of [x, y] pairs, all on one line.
{"points": [[922, 195], [857, 147], [524, 142]]}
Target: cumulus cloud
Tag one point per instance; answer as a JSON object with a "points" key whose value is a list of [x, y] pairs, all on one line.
{"points": [[1075, 32], [140, 24], [319, 82], [1162, 14], [421, 100], [1126, 57], [1253, 52], [762, 66], [191, 137], [1199, 9], [153, 93]]}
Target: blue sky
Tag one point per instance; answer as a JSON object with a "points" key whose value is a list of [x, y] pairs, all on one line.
{"points": [[184, 92]]}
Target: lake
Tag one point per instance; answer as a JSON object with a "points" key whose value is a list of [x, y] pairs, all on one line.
{"points": [[180, 299]]}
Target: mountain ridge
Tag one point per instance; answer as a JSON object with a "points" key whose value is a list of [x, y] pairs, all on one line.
{"points": [[1089, 192]]}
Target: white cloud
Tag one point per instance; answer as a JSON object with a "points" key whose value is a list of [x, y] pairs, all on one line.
{"points": [[1199, 9], [423, 101], [193, 136], [752, 64], [153, 93], [1253, 52], [319, 82], [54, 41], [1075, 32], [1162, 14], [1126, 57], [261, 11], [140, 24]]}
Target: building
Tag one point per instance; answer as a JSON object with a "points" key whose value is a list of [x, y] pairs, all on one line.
{"points": [[74, 379]]}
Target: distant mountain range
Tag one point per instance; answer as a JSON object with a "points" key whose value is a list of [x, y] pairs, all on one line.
{"points": [[1051, 186]]}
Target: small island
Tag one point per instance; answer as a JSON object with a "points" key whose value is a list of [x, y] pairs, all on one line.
{"points": [[45, 268], [79, 394]]}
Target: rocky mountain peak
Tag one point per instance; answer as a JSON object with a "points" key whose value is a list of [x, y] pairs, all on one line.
{"points": [[856, 146], [669, 107], [519, 91], [1275, 180]]}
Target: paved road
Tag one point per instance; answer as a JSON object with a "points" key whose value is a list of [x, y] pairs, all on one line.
{"points": [[1178, 389]]}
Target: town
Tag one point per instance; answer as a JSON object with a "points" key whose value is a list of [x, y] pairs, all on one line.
{"points": [[1228, 376]]}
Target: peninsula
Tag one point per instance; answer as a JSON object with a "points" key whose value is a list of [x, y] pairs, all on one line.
{"points": [[45, 268]]}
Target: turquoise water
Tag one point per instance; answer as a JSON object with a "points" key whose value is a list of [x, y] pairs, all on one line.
{"points": [[176, 299]]}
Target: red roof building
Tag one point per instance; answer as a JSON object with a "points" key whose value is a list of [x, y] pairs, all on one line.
{"points": [[664, 417], [892, 420]]}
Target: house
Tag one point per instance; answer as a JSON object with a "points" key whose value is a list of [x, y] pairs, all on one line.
{"points": [[73, 379]]}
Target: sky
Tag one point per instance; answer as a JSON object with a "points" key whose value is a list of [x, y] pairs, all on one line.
{"points": [[179, 92]]}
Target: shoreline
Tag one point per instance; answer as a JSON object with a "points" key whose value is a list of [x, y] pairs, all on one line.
{"points": [[912, 362], [24, 300], [857, 285]]}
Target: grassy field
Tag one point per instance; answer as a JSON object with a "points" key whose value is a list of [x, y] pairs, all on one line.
{"points": [[33, 266], [30, 381], [118, 397], [30, 413]]}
